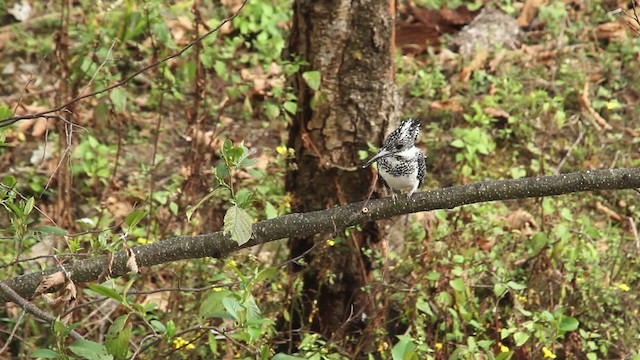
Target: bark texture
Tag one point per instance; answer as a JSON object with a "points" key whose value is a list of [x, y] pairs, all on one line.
{"points": [[350, 44], [298, 225]]}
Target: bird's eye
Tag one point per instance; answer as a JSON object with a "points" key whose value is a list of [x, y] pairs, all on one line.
{"points": [[398, 147]]}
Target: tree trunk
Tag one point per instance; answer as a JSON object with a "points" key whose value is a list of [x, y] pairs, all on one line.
{"points": [[351, 44]]}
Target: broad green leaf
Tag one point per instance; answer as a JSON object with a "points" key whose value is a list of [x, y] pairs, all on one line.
{"points": [[568, 323], [272, 111], [457, 284], [290, 107], [520, 338], [458, 143], [212, 306], [9, 181], [404, 349], [232, 306], [119, 98], [28, 207], [191, 209], [222, 171], [538, 241], [53, 230], [499, 289], [268, 273], [270, 211], [105, 291], [158, 326], [5, 112], [312, 78], [90, 350], [117, 325], [44, 354], [134, 218], [118, 336], [237, 223], [171, 328], [174, 208], [281, 356], [515, 286]]}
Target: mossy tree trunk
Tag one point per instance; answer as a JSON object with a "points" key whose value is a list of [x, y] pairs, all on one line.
{"points": [[350, 43]]}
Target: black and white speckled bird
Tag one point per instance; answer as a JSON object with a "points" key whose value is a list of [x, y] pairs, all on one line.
{"points": [[400, 163]]}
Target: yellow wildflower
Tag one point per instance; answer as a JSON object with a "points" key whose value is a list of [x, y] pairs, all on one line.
{"points": [[548, 353], [331, 242], [287, 200], [611, 105], [503, 348], [282, 150], [143, 241], [179, 342], [232, 263], [439, 346], [624, 287], [217, 289]]}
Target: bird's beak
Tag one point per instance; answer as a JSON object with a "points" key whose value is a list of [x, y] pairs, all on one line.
{"points": [[382, 153]]}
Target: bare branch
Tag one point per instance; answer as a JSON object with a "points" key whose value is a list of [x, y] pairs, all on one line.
{"points": [[218, 245], [30, 308]]}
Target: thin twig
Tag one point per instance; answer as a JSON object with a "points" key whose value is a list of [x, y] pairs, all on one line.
{"points": [[13, 332], [634, 231], [13, 119], [569, 151]]}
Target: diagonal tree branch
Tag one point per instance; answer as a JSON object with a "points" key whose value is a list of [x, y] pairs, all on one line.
{"points": [[218, 245]]}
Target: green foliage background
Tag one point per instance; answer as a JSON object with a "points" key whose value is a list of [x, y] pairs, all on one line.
{"points": [[543, 278]]}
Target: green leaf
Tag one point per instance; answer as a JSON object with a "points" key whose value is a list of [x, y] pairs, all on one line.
{"points": [[158, 326], [499, 289], [119, 98], [191, 209], [117, 325], [118, 336], [105, 291], [5, 112], [268, 273], [281, 356], [290, 107], [538, 242], [9, 181], [458, 143], [134, 218], [457, 284], [272, 111], [243, 197], [44, 354], [312, 78], [222, 171], [520, 338], [515, 286], [174, 208], [232, 306], [28, 207], [237, 223], [270, 211], [212, 306], [568, 323], [404, 349], [53, 230], [90, 350], [171, 328], [424, 306]]}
